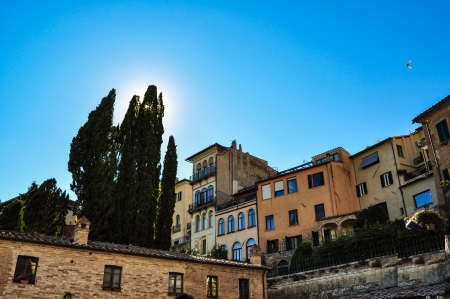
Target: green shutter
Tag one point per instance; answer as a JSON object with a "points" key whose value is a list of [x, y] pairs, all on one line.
{"points": [[382, 180], [358, 193]]}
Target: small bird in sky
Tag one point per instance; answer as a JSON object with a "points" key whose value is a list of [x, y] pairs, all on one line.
{"points": [[409, 65]]}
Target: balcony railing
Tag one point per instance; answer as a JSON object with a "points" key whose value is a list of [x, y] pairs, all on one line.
{"points": [[206, 202], [181, 240], [203, 173], [422, 171], [418, 160], [176, 228]]}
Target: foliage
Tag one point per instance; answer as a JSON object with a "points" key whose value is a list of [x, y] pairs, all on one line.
{"points": [[219, 251], [371, 215], [302, 251], [166, 203], [92, 162], [428, 217], [11, 215]]}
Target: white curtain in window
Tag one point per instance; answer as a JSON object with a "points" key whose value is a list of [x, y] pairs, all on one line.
{"points": [[266, 191]]}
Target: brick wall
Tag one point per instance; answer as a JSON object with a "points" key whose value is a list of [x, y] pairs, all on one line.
{"points": [[80, 272]]}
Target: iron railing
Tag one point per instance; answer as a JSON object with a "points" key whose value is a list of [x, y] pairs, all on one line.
{"points": [[208, 201], [203, 173]]}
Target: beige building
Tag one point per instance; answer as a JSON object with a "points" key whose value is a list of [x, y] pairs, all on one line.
{"points": [[396, 174], [435, 122], [181, 229], [38, 266], [293, 204], [219, 172], [237, 226]]}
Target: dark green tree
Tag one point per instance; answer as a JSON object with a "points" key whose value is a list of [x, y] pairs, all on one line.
{"points": [[149, 139], [46, 207], [219, 251], [126, 189], [93, 164], [372, 215], [166, 202], [11, 215]]}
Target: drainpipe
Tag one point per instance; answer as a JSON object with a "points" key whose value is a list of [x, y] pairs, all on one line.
{"points": [[398, 178]]}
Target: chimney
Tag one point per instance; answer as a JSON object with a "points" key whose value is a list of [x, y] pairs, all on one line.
{"points": [[255, 255], [81, 232]]}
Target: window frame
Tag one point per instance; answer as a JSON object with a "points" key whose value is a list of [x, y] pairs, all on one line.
{"points": [[361, 189], [25, 263], [172, 290], [231, 226], [442, 131], [204, 222], [241, 221], [400, 151], [197, 223], [420, 193], [237, 251], [244, 288], [289, 186], [210, 282], [278, 187], [316, 176], [293, 220], [386, 179], [111, 286], [316, 210], [266, 191], [251, 218], [270, 223], [221, 227]]}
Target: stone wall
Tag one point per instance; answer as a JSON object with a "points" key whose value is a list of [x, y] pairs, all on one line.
{"points": [[385, 277]]}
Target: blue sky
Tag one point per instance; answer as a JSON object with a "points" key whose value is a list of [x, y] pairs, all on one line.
{"points": [[286, 79]]}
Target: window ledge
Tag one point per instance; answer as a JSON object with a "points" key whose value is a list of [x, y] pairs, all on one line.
{"points": [[112, 289]]}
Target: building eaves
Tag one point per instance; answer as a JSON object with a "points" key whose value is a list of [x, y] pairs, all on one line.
{"points": [[372, 146], [119, 248], [206, 149], [331, 150], [419, 117]]}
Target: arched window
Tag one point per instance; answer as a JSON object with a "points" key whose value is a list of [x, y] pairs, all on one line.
{"points": [[251, 218], [204, 221], [221, 226], [197, 198], [250, 243], [231, 224], [205, 167], [197, 223], [283, 267], [211, 219], [237, 251], [210, 193], [199, 170], [241, 221], [203, 195]]}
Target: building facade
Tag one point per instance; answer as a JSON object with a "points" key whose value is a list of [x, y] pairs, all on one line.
{"points": [[219, 172], [291, 204], [181, 229], [37, 266], [435, 122], [396, 174]]}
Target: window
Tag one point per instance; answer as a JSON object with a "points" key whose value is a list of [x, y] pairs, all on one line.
{"points": [[210, 193], [293, 217], [177, 221], [211, 219], [244, 289], [205, 167], [231, 224], [175, 283], [292, 185], [283, 267], [361, 189], [315, 180], [199, 170], [293, 242], [26, 269], [179, 196], [320, 161], [237, 251], [221, 226], [251, 218], [241, 221], [212, 287], [369, 160], [250, 243], [442, 130], [334, 157], [112, 277], [320, 211], [204, 246], [423, 198], [446, 174], [400, 151], [197, 223], [386, 179], [270, 225], [197, 198], [266, 192], [272, 246], [205, 225], [203, 195], [279, 189]]}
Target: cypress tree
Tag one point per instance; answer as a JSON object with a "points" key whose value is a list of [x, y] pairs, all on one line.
{"points": [[92, 162], [149, 139], [126, 207], [46, 208], [166, 203]]}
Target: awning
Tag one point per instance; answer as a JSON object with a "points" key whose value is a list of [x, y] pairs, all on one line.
{"points": [[369, 160]]}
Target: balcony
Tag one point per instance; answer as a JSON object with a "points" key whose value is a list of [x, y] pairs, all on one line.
{"points": [[176, 228], [203, 173], [421, 172], [208, 201], [418, 160], [181, 242]]}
